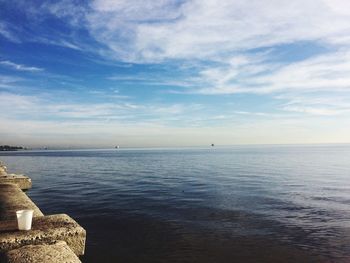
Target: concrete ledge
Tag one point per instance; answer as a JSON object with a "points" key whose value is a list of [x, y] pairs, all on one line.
{"points": [[3, 168], [12, 199], [56, 238], [22, 181], [45, 230], [58, 252]]}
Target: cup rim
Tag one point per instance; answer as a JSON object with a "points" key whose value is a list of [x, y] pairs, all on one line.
{"points": [[24, 211]]}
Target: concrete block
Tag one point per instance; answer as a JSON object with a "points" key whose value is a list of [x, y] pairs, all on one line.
{"points": [[22, 181], [58, 252], [12, 198], [3, 168], [45, 229]]}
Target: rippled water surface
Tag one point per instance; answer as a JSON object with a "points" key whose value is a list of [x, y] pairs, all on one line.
{"points": [[251, 204]]}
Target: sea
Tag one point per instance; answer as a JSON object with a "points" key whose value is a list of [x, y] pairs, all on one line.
{"points": [[266, 203]]}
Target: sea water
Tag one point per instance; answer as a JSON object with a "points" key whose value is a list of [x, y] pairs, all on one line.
{"points": [[213, 204]]}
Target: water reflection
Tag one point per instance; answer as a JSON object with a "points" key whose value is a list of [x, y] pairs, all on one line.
{"points": [[274, 204]]}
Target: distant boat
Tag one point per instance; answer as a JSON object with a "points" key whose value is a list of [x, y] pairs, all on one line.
{"points": [[212, 145], [117, 147]]}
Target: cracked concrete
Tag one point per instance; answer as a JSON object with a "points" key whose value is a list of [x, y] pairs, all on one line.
{"points": [[57, 252], [12, 198], [45, 229]]}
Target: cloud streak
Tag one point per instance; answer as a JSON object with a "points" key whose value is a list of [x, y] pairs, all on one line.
{"points": [[325, 72], [7, 33], [154, 31], [40, 107], [19, 67]]}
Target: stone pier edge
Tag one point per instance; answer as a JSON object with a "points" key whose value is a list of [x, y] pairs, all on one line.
{"points": [[53, 238]]}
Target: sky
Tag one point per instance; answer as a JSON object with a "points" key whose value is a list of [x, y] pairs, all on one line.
{"points": [[145, 73]]}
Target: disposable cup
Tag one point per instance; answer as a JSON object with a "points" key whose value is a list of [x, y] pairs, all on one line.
{"points": [[24, 219]]}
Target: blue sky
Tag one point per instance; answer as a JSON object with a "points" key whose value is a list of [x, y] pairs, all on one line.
{"points": [[174, 73]]}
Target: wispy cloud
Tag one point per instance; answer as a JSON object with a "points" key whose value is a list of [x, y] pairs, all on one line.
{"points": [[19, 67], [317, 111], [110, 94], [321, 104], [225, 33], [6, 32], [153, 31], [325, 72], [155, 80], [43, 107], [60, 41], [8, 82]]}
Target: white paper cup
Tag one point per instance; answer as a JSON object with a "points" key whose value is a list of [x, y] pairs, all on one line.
{"points": [[24, 219]]}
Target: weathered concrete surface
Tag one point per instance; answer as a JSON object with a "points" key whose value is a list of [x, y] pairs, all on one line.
{"points": [[3, 168], [45, 229], [22, 181], [57, 252], [12, 198], [52, 238]]}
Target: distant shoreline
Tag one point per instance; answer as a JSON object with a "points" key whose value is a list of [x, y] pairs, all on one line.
{"points": [[247, 146], [8, 148]]}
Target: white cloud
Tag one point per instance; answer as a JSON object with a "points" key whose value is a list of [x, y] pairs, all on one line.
{"points": [[156, 30], [326, 72], [8, 82], [321, 104], [59, 42], [40, 107], [319, 85], [155, 80], [7, 33], [19, 67], [139, 10], [152, 31], [222, 32], [317, 111], [63, 9]]}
